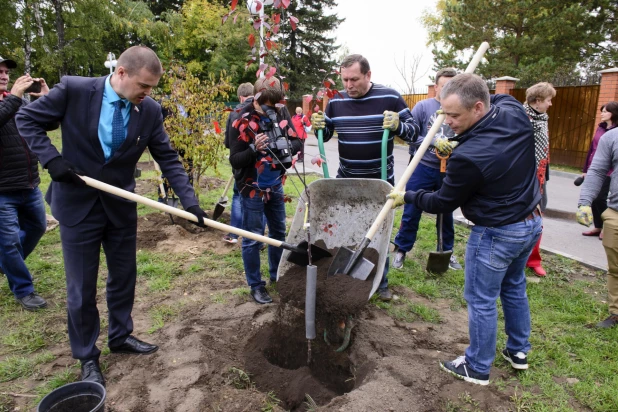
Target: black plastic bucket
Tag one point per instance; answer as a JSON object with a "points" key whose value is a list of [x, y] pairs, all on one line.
{"points": [[75, 397]]}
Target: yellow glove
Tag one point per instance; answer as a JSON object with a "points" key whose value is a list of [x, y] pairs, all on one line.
{"points": [[584, 215], [444, 146], [318, 120], [391, 121], [397, 197]]}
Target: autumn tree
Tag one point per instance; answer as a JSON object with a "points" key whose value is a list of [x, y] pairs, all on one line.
{"points": [[195, 114], [530, 39], [206, 46]]}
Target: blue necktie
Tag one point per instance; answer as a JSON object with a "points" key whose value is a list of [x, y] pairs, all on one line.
{"points": [[117, 126]]}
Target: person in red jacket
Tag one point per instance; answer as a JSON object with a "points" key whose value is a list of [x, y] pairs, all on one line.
{"points": [[302, 125]]}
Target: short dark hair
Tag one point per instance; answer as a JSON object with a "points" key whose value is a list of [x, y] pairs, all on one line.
{"points": [[446, 72], [245, 90], [356, 58], [269, 90], [612, 107], [136, 58], [469, 87]]}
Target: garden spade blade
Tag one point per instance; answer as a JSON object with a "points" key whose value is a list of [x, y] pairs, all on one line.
{"points": [[223, 200], [438, 262], [300, 256], [360, 267]]}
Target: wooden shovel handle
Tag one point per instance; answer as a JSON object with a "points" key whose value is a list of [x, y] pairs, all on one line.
{"points": [[161, 187], [421, 150], [181, 213], [227, 188]]}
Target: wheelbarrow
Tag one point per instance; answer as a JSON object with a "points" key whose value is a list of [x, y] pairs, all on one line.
{"points": [[338, 208]]}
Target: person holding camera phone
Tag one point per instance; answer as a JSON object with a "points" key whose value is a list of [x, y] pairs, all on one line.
{"points": [[262, 143], [22, 211]]}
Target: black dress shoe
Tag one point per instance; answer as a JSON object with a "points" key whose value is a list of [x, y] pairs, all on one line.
{"points": [[134, 346], [32, 302], [261, 296], [91, 372]]}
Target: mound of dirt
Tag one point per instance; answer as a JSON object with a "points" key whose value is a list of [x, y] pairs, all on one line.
{"points": [[336, 296], [156, 232]]}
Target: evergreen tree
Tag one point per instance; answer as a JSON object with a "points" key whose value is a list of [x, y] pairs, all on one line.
{"points": [[529, 39], [310, 47]]}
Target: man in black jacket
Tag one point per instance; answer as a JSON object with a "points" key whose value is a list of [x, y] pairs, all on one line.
{"points": [[22, 211], [491, 176]]}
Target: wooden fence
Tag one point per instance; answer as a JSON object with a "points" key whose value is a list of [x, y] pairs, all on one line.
{"points": [[571, 122]]}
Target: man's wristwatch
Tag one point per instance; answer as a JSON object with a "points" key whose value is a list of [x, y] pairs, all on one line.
{"points": [[252, 146]]}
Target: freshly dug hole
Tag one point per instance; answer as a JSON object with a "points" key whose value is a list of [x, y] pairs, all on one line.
{"points": [[276, 356]]}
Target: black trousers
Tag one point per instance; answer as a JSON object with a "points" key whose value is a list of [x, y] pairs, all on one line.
{"points": [[600, 203], [81, 246]]}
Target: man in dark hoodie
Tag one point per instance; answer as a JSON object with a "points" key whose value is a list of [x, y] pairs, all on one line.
{"points": [[22, 211], [491, 175]]}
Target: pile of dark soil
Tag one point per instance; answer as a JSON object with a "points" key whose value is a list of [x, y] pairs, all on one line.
{"points": [[337, 295]]}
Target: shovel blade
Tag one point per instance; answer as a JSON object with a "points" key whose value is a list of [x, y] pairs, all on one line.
{"points": [[438, 262], [302, 259], [361, 270], [219, 208]]}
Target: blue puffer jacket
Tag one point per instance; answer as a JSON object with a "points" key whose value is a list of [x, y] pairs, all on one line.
{"points": [[491, 175]]}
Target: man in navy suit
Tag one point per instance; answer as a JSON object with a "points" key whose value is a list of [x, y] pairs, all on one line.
{"points": [[107, 123]]}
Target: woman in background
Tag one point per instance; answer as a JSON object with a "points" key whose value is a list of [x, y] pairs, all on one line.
{"points": [[538, 100]]}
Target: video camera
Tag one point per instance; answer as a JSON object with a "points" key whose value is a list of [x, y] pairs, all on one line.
{"points": [[277, 143]]}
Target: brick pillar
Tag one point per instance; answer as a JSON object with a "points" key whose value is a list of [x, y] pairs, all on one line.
{"points": [[307, 109], [608, 92], [431, 91], [325, 100], [505, 84]]}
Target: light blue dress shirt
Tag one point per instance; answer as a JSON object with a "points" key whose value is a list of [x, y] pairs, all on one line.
{"points": [[107, 115]]}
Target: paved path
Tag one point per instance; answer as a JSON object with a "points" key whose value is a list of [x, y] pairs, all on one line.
{"points": [[562, 235]]}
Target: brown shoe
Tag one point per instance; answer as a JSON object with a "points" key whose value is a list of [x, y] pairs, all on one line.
{"points": [[610, 322], [593, 232]]}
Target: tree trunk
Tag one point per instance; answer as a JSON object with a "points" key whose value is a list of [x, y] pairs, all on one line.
{"points": [[27, 39], [60, 33], [37, 17]]}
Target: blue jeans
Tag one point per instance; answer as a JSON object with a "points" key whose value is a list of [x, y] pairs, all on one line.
{"points": [[22, 224], [427, 178], [236, 214], [495, 262], [253, 212]]}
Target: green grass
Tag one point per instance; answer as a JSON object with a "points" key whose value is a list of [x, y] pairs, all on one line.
{"points": [[161, 314], [13, 367], [565, 168]]}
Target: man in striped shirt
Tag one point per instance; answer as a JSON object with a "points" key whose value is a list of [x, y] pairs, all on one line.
{"points": [[359, 115]]}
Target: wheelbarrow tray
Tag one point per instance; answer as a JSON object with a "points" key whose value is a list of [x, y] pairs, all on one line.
{"points": [[341, 212]]}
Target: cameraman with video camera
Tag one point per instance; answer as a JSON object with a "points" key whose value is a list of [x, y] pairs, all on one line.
{"points": [[262, 143]]}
